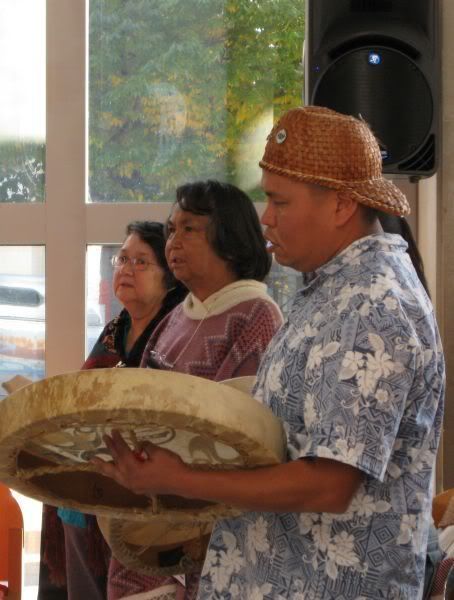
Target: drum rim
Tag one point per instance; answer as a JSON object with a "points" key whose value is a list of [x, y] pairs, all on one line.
{"points": [[9, 438], [114, 533]]}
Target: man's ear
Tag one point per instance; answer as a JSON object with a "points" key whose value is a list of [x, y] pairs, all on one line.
{"points": [[346, 208]]}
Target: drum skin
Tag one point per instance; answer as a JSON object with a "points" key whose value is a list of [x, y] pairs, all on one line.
{"points": [[163, 546], [50, 429]]}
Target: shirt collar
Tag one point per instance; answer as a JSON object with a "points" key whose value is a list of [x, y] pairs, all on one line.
{"points": [[384, 242]]}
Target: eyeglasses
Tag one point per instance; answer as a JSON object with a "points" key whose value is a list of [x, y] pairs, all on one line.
{"points": [[137, 264]]}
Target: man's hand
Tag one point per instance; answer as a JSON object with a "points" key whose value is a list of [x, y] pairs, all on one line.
{"points": [[150, 470], [318, 485]]}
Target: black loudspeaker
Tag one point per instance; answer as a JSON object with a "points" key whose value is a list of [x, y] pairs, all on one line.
{"points": [[380, 59]]}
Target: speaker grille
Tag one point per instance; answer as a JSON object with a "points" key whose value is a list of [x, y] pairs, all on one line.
{"points": [[371, 5], [388, 90], [423, 160]]}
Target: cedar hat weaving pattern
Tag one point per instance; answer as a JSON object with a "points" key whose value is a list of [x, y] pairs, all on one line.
{"points": [[314, 144]]}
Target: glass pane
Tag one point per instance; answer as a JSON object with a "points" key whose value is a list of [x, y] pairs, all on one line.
{"points": [[22, 313], [187, 89], [101, 305], [23, 100]]}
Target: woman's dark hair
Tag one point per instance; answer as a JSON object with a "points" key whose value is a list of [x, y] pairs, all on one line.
{"points": [[152, 233], [393, 224], [234, 232]]}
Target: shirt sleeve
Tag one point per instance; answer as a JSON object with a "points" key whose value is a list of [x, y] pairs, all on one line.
{"points": [[358, 376]]}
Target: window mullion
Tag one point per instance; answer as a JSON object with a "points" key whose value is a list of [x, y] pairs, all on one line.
{"points": [[65, 186]]}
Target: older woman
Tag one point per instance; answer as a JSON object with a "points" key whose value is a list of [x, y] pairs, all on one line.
{"points": [[216, 248], [145, 286], [142, 282]]}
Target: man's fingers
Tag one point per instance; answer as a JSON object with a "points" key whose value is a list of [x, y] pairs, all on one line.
{"points": [[109, 469], [106, 468], [117, 446], [147, 447], [110, 445], [121, 446]]}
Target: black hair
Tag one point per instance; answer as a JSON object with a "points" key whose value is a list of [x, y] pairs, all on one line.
{"points": [[393, 224], [234, 231], [153, 234], [370, 214]]}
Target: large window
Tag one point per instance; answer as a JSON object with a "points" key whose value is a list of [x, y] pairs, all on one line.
{"points": [[186, 89]]}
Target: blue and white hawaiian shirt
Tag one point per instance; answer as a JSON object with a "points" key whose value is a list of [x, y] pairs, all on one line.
{"points": [[357, 375]]}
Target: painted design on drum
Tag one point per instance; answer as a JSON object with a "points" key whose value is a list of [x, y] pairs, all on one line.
{"points": [[74, 443]]}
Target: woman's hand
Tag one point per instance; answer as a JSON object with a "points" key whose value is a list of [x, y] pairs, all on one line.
{"points": [[150, 470]]}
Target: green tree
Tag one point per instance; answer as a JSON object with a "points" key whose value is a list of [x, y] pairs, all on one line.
{"points": [[21, 172], [175, 85]]}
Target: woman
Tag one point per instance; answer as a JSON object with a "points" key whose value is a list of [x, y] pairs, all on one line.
{"points": [[75, 553], [216, 248]]}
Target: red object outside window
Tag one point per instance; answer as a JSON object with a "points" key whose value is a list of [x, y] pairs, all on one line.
{"points": [[11, 544]]}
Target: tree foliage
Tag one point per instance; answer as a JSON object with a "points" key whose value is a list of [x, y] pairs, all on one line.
{"points": [[21, 172], [175, 85]]}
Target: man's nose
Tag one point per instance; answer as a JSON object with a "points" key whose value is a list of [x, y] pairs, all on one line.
{"points": [[267, 217]]}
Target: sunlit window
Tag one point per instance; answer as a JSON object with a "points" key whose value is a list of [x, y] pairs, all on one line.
{"points": [[22, 100], [102, 306], [187, 90], [22, 313]]}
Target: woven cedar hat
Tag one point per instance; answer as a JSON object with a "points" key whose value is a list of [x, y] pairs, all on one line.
{"points": [[314, 144]]}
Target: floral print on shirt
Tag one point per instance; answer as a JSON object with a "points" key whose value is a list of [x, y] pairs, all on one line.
{"points": [[356, 373]]}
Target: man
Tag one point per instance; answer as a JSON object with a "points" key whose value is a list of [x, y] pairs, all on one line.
{"points": [[356, 373]]}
